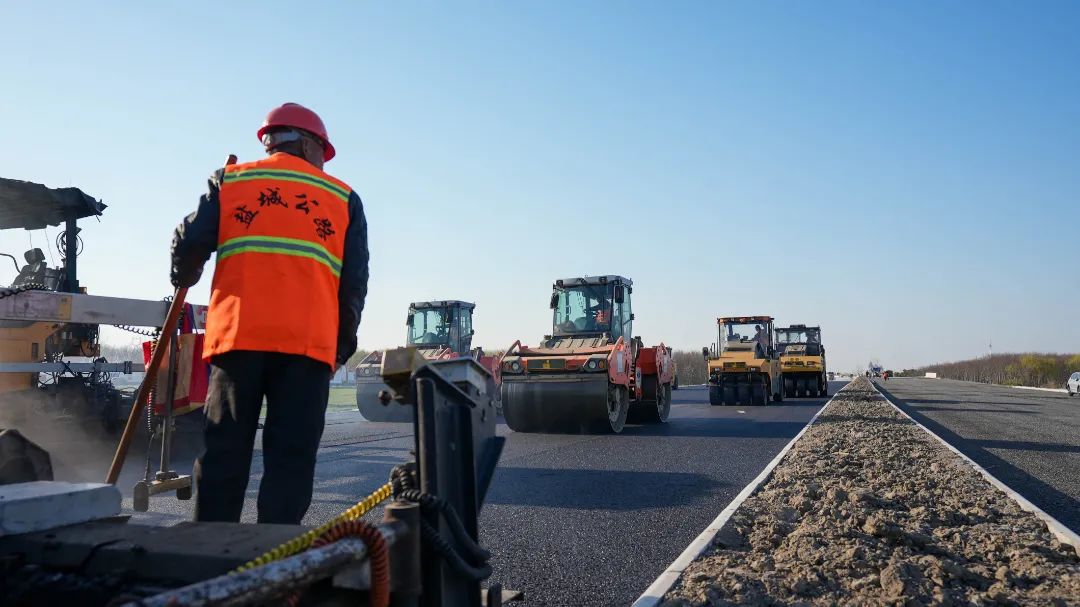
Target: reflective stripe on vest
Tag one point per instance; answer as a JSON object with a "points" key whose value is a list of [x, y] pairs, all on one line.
{"points": [[280, 246], [286, 175]]}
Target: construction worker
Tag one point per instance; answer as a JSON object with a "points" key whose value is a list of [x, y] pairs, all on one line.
{"points": [[761, 339], [287, 294]]}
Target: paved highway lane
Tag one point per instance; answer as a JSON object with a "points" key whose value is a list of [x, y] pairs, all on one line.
{"points": [[571, 519], [592, 520], [1029, 439]]}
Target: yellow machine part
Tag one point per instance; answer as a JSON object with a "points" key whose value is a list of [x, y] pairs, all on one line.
{"points": [[798, 363], [28, 344], [743, 362], [23, 345]]}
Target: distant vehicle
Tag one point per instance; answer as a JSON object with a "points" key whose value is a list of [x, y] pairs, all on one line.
{"points": [[802, 361], [745, 368], [832, 376], [1073, 385]]}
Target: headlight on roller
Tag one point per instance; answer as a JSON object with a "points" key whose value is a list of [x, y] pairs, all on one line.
{"points": [[512, 366]]}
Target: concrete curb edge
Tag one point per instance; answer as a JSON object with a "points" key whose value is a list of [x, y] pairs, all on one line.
{"points": [[656, 591]]}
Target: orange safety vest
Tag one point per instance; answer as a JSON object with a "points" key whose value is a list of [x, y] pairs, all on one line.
{"points": [[281, 239]]}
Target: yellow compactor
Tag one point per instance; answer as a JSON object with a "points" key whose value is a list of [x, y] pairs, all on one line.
{"points": [[802, 358], [744, 368]]}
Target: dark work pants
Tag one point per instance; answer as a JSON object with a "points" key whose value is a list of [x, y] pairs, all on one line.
{"points": [[296, 390]]}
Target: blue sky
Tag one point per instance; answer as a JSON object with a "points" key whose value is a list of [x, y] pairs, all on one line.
{"points": [[904, 174]]}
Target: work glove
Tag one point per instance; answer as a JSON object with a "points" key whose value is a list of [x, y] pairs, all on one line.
{"points": [[183, 280]]}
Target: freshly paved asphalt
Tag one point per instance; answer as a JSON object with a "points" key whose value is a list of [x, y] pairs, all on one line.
{"points": [[570, 519], [1028, 439]]}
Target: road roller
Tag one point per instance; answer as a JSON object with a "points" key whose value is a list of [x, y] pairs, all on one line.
{"points": [[802, 360], [439, 330], [744, 368], [591, 375]]}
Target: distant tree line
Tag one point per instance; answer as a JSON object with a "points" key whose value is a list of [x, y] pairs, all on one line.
{"points": [[691, 367], [116, 353], [1027, 369]]}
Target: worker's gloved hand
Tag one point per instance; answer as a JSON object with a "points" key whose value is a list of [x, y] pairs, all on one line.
{"points": [[184, 279]]}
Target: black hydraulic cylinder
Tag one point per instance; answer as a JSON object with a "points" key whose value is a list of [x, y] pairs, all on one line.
{"points": [[405, 569], [71, 252]]}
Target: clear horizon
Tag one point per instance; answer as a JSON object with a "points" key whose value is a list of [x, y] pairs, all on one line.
{"points": [[904, 176]]}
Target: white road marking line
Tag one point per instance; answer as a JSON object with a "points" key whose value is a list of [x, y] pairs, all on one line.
{"points": [[1058, 390]]}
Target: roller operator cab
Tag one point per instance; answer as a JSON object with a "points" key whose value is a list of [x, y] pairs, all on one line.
{"points": [[591, 374], [744, 368], [439, 330], [802, 360]]}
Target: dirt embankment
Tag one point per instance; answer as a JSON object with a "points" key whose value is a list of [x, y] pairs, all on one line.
{"points": [[868, 509]]}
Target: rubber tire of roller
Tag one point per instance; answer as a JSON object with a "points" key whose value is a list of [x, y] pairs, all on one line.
{"points": [[730, 394], [800, 388], [716, 395], [759, 395], [789, 387], [663, 408], [623, 396], [744, 391]]}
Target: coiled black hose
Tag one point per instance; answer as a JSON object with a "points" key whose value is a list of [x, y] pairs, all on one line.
{"points": [[446, 551], [453, 521]]}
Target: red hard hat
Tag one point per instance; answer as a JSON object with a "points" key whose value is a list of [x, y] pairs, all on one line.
{"points": [[298, 116]]}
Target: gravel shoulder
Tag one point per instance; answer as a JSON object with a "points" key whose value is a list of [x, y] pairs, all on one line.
{"points": [[869, 509]]}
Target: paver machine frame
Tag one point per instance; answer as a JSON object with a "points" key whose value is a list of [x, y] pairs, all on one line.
{"points": [[744, 368], [591, 375], [425, 552], [439, 330], [35, 370], [802, 359]]}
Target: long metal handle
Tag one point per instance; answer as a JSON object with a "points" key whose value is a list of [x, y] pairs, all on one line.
{"points": [[168, 333], [170, 399]]}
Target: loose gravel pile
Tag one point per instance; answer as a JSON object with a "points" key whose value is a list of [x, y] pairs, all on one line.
{"points": [[868, 509]]}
